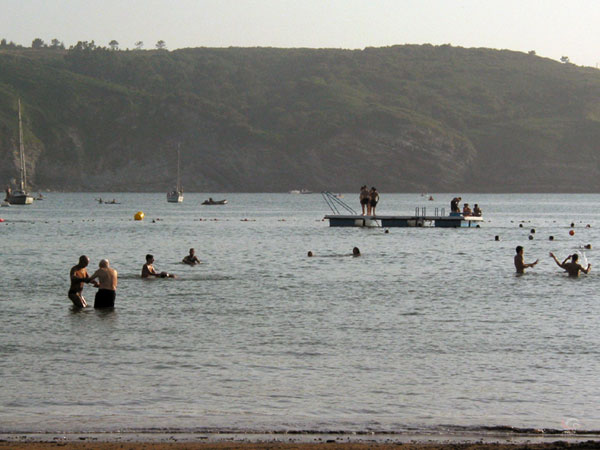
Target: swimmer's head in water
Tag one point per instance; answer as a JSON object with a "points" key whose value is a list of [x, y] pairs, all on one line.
{"points": [[355, 251], [309, 253], [103, 263], [149, 258], [84, 261]]}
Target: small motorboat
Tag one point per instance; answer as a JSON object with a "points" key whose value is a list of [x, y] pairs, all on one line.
{"points": [[210, 201]]}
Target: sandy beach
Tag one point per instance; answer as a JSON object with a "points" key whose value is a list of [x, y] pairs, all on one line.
{"points": [[291, 446]]}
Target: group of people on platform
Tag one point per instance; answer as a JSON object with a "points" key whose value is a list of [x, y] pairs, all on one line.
{"points": [[106, 279], [466, 211], [570, 263], [368, 200]]}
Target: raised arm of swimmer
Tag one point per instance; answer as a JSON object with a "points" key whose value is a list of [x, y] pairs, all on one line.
{"points": [[572, 267]]}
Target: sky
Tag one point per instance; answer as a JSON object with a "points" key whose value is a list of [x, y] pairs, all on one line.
{"points": [[552, 28]]}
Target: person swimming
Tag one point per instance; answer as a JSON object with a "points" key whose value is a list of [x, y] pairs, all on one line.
{"points": [[573, 268], [148, 269], [191, 258]]}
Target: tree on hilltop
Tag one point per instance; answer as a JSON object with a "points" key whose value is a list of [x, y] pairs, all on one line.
{"points": [[114, 45], [161, 44], [38, 43], [56, 44], [139, 45], [83, 45]]}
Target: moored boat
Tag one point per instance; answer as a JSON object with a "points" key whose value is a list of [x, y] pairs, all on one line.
{"points": [[176, 195], [20, 196], [210, 201]]}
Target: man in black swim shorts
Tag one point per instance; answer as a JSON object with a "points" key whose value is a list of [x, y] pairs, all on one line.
{"points": [[373, 200], [364, 198], [107, 292]]}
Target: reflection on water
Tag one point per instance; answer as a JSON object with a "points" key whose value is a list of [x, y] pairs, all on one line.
{"points": [[428, 327]]}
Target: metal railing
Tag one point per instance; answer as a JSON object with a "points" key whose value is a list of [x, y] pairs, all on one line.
{"points": [[335, 204]]}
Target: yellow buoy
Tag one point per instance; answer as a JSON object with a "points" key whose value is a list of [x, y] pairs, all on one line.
{"points": [[139, 215]]}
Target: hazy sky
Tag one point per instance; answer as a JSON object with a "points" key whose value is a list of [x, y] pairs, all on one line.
{"points": [[552, 28]]}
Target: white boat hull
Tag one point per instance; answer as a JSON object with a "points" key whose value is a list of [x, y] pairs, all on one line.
{"points": [[175, 197]]}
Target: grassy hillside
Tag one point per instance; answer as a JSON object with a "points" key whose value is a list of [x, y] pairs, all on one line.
{"points": [[403, 118]]}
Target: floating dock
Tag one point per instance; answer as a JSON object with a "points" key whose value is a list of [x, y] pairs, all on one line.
{"points": [[439, 221], [439, 218]]}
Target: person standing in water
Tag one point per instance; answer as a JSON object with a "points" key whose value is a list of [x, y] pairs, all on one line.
{"points": [[520, 264], [573, 268], [79, 276], [107, 292]]}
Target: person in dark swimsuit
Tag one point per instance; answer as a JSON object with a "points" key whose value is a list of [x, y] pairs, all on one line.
{"points": [[364, 198], [454, 205], [107, 292], [373, 200], [79, 276]]}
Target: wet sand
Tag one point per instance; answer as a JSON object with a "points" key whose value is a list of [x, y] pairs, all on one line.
{"points": [[292, 446], [234, 441]]}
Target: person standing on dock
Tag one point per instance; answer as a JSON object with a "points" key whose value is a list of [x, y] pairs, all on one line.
{"points": [[373, 200], [520, 264], [454, 205], [364, 198]]}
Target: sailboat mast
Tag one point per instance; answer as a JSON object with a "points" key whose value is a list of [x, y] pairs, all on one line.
{"points": [[22, 152], [178, 170]]}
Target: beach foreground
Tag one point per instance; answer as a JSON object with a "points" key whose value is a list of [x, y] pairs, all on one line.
{"points": [[293, 446]]}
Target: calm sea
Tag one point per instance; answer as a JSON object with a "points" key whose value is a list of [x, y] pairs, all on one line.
{"points": [[429, 328]]}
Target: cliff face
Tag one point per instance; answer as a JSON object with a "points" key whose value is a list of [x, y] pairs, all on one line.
{"points": [[406, 118]]}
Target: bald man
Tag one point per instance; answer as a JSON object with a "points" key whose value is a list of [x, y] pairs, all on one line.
{"points": [[79, 276], [107, 292]]}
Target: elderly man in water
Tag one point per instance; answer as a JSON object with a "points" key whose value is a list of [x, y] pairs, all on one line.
{"points": [[107, 292]]}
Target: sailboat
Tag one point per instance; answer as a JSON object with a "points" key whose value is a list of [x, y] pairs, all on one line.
{"points": [[176, 195], [20, 196]]}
